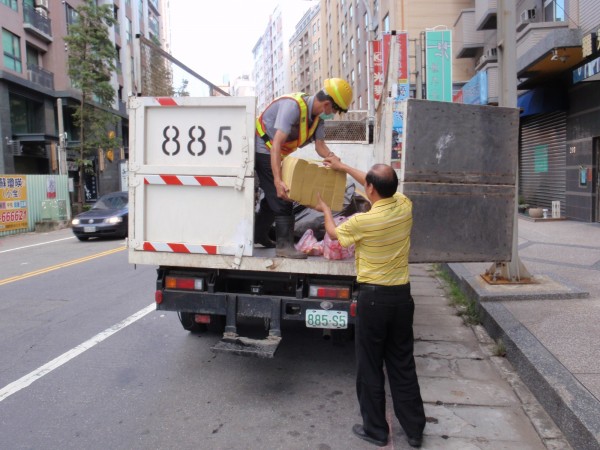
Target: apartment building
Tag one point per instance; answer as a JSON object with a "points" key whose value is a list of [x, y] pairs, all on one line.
{"points": [[558, 69], [271, 54], [305, 53], [343, 28], [33, 76]]}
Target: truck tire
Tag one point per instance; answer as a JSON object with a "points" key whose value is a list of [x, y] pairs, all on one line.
{"points": [[188, 322]]}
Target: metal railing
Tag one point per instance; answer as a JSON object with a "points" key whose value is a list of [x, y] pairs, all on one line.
{"points": [[37, 20], [40, 76]]}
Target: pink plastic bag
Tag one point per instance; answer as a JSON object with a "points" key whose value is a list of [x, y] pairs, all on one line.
{"points": [[308, 244], [332, 249]]}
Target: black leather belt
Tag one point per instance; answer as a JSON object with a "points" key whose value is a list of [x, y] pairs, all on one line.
{"points": [[381, 288]]}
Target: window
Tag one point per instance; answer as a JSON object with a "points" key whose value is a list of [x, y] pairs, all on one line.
{"points": [[554, 10], [358, 35], [386, 23], [11, 46], [11, 4], [128, 31], [352, 45], [26, 116], [71, 16], [352, 79]]}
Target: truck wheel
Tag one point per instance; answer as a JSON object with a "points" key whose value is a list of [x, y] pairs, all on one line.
{"points": [[217, 324], [188, 322]]}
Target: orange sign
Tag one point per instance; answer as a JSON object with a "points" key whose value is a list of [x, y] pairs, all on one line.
{"points": [[13, 202]]}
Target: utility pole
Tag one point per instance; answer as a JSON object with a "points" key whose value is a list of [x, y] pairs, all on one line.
{"points": [[370, 84], [513, 271]]}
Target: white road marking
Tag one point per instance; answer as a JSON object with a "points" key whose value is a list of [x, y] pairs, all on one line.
{"points": [[38, 373], [35, 245]]}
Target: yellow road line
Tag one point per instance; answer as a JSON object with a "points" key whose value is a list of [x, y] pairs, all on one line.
{"points": [[60, 266]]}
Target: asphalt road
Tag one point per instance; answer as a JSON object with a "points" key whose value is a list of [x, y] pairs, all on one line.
{"points": [[86, 363]]}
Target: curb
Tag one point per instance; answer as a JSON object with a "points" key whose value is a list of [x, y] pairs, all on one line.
{"points": [[572, 407]]}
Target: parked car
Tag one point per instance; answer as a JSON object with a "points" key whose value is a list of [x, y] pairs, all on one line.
{"points": [[107, 218]]}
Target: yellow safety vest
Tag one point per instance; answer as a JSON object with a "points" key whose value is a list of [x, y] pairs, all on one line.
{"points": [[304, 132]]}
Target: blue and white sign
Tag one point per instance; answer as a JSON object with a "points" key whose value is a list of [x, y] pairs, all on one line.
{"points": [[586, 71], [475, 92]]}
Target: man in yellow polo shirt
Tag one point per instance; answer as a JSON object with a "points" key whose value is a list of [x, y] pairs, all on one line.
{"points": [[385, 311]]}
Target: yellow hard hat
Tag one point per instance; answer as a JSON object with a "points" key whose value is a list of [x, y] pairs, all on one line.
{"points": [[340, 91]]}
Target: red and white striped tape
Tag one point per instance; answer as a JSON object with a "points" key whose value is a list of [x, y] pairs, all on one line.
{"points": [[172, 247], [166, 101], [189, 180]]}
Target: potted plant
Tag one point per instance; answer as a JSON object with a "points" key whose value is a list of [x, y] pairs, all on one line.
{"points": [[523, 205]]}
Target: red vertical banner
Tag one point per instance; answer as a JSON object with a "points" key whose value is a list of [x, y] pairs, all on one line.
{"points": [[377, 70]]}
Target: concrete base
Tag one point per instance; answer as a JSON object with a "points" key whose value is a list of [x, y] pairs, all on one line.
{"points": [[50, 225], [573, 408]]}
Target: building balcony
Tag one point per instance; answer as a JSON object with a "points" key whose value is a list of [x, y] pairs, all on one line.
{"points": [[40, 76], [546, 50], [37, 23], [485, 14], [469, 40]]}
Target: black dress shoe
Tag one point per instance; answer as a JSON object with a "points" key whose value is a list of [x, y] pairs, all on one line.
{"points": [[415, 441], [361, 433]]}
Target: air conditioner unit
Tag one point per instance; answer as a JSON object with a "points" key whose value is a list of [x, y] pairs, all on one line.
{"points": [[527, 16], [14, 147], [41, 4], [42, 12], [492, 52]]}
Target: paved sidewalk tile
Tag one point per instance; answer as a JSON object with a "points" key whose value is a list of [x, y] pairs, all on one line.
{"points": [[473, 399]]}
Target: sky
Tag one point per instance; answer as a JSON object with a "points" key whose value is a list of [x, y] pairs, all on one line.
{"points": [[215, 38]]}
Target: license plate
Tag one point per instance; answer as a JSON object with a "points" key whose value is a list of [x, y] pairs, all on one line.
{"points": [[89, 229], [320, 318]]}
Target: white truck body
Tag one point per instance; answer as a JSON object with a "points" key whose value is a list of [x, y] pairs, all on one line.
{"points": [[197, 210]]}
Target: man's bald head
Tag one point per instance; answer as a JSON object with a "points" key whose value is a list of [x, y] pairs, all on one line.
{"points": [[384, 179]]}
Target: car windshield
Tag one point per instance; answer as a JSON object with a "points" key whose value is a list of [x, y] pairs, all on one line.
{"points": [[111, 202]]}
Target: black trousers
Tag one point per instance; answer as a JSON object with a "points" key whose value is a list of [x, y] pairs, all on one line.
{"points": [[384, 333], [271, 204]]}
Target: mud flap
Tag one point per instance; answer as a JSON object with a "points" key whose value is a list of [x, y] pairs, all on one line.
{"points": [[258, 348]]}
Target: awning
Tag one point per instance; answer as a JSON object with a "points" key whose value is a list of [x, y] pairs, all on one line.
{"points": [[541, 100]]}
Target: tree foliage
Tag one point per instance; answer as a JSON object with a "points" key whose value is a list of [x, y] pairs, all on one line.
{"points": [[157, 75], [91, 63]]}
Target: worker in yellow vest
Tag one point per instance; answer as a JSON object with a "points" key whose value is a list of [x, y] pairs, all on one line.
{"points": [[290, 122]]}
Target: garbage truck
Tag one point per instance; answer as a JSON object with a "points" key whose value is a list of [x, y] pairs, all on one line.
{"points": [[192, 193]]}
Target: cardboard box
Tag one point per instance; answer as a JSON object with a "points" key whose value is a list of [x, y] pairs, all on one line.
{"points": [[307, 178]]}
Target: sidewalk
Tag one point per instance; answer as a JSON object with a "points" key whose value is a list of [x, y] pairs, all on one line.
{"points": [[552, 329], [473, 399]]}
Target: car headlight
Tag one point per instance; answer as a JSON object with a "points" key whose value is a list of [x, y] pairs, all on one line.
{"points": [[114, 219], [75, 222]]}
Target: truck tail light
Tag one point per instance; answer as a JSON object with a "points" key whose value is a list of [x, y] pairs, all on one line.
{"points": [[328, 291], [187, 283], [353, 306], [158, 296]]}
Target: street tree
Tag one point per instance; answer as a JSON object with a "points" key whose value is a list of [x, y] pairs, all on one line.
{"points": [[91, 61], [157, 76]]}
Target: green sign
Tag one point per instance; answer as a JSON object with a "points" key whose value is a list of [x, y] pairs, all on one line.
{"points": [[540, 158], [438, 65]]}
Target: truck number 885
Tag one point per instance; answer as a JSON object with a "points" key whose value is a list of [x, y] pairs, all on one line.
{"points": [[196, 144]]}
